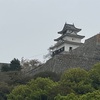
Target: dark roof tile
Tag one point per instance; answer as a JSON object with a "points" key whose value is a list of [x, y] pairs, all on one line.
{"points": [[69, 27]]}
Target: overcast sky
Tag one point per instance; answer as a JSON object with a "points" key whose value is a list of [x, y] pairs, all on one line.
{"points": [[28, 27]]}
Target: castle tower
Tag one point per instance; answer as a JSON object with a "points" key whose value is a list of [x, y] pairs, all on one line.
{"points": [[68, 40]]}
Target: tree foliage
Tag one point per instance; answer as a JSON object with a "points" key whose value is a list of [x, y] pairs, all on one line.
{"points": [[34, 90], [88, 96], [30, 63], [71, 96], [94, 75], [91, 96], [5, 68], [48, 74], [13, 66], [4, 90], [76, 79], [74, 84]]}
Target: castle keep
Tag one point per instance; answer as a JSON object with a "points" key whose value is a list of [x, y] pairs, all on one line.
{"points": [[68, 40], [76, 54]]}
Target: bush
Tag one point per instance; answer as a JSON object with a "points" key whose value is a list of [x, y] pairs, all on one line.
{"points": [[77, 79], [5, 68], [35, 90], [4, 90], [15, 65], [47, 74]]}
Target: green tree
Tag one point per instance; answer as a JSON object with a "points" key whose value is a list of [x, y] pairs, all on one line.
{"points": [[91, 96], [42, 87], [15, 65], [76, 79], [4, 90], [97, 67], [71, 96], [48, 74], [26, 63], [94, 75], [5, 68], [19, 93], [95, 95], [35, 90]]}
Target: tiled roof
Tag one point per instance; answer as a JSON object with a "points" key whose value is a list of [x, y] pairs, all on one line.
{"points": [[69, 27], [70, 35]]}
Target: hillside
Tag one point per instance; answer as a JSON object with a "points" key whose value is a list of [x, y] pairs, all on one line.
{"points": [[84, 56]]}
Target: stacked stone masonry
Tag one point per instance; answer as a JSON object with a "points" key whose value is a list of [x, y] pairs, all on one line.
{"points": [[84, 56]]}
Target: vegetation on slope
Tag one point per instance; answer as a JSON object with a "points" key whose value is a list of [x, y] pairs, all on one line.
{"points": [[73, 84]]}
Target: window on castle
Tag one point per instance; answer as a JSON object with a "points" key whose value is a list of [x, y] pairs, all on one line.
{"points": [[70, 48], [72, 38], [69, 31], [58, 51]]}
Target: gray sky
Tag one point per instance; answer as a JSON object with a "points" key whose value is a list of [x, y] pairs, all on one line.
{"points": [[28, 27]]}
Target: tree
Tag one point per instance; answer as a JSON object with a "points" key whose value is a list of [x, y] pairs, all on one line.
{"points": [[95, 95], [48, 74], [35, 90], [97, 67], [19, 93], [28, 65], [34, 63], [76, 79], [71, 96], [4, 90], [15, 65], [42, 88], [5, 68], [94, 75], [91, 96]]}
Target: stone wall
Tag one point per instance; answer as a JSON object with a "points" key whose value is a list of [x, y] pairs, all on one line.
{"points": [[90, 49], [84, 56]]}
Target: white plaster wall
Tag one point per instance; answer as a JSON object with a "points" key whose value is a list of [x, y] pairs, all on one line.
{"points": [[69, 31], [67, 46], [74, 33], [73, 39]]}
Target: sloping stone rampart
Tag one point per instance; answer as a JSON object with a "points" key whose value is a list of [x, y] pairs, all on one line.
{"points": [[84, 56]]}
